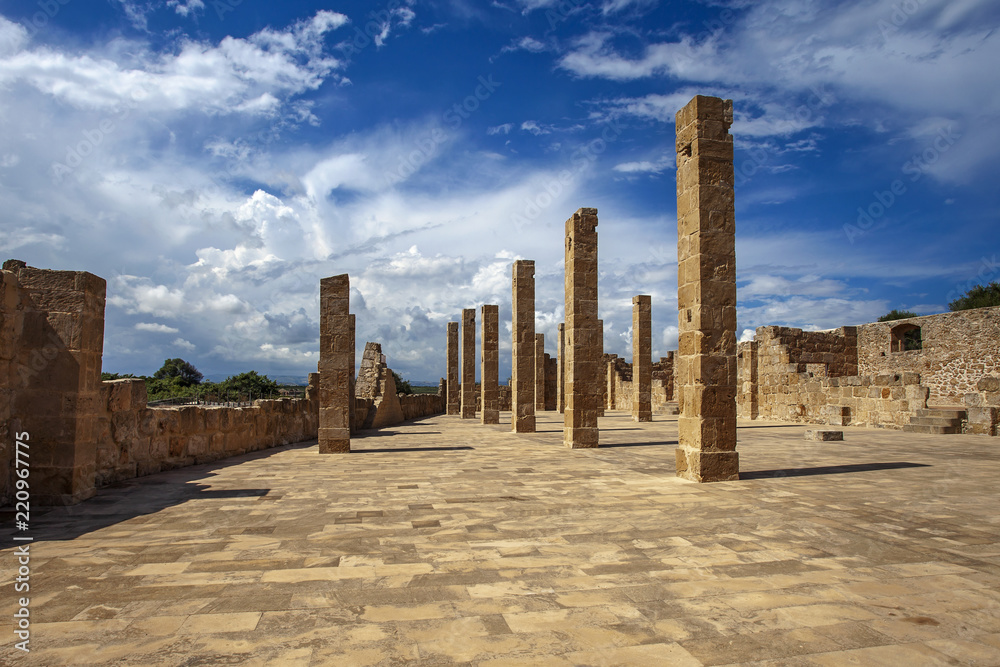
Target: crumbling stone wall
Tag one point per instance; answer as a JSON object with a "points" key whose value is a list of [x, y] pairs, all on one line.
{"points": [[620, 384], [134, 440], [957, 350], [793, 381]]}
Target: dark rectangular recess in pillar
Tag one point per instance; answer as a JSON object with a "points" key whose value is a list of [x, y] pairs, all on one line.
{"points": [[522, 401], [706, 292], [468, 408], [336, 358], [490, 372], [584, 338]]}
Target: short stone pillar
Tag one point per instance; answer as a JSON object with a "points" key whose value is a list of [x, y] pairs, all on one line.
{"points": [[642, 360], [706, 292], [584, 338], [561, 370], [336, 358], [490, 371], [454, 400], [468, 363], [522, 391], [539, 372]]}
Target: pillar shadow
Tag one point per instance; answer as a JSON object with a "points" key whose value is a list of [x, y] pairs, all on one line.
{"points": [[654, 443], [385, 450], [829, 470]]}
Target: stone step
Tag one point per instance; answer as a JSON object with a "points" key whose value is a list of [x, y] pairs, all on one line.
{"points": [[935, 421], [937, 430], [947, 413]]}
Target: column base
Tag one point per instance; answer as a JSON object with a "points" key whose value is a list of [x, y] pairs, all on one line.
{"points": [[700, 466], [643, 416], [491, 417]]}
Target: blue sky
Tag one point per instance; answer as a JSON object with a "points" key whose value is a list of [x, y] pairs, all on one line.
{"points": [[213, 159]]}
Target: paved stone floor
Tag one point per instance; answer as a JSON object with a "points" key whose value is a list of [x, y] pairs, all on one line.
{"points": [[446, 542]]}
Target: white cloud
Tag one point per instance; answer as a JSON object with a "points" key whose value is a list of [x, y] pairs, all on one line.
{"points": [[186, 7], [155, 328], [185, 345], [533, 127], [657, 166], [500, 129], [248, 76]]}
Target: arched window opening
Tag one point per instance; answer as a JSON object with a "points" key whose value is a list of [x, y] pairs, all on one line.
{"points": [[904, 338]]}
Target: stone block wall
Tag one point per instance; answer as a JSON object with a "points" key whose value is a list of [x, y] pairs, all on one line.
{"points": [[661, 387], [957, 350], [134, 440], [983, 407]]}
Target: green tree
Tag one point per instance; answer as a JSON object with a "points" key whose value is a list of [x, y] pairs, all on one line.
{"points": [[249, 384], [402, 386], [980, 296], [896, 315], [115, 376], [178, 368]]}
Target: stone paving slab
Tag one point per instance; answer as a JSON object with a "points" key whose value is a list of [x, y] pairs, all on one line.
{"points": [[447, 542]]}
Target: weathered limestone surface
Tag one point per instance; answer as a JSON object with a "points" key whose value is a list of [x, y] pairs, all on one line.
{"points": [[490, 371], [50, 359], [706, 292], [468, 408], [351, 416], [376, 392], [523, 347], [454, 390], [561, 370], [642, 362], [620, 385], [747, 401], [539, 372], [601, 389], [957, 349], [584, 337], [611, 379], [135, 440], [336, 355]]}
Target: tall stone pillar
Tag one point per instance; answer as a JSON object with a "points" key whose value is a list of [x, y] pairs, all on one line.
{"points": [[601, 389], [584, 338], [539, 372], [522, 398], [706, 292], [454, 400], [561, 370], [642, 361], [469, 363], [336, 354], [610, 368], [352, 392], [490, 372]]}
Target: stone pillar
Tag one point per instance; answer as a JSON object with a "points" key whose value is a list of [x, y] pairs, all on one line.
{"points": [[642, 361], [706, 292], [601, 388], [336, 353], [522, 399], [490, 372], [539, 372], [53, 324], [454, 404], [561, 370], [610, 367], [468, 363], [353, 366], [584, 338]]}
